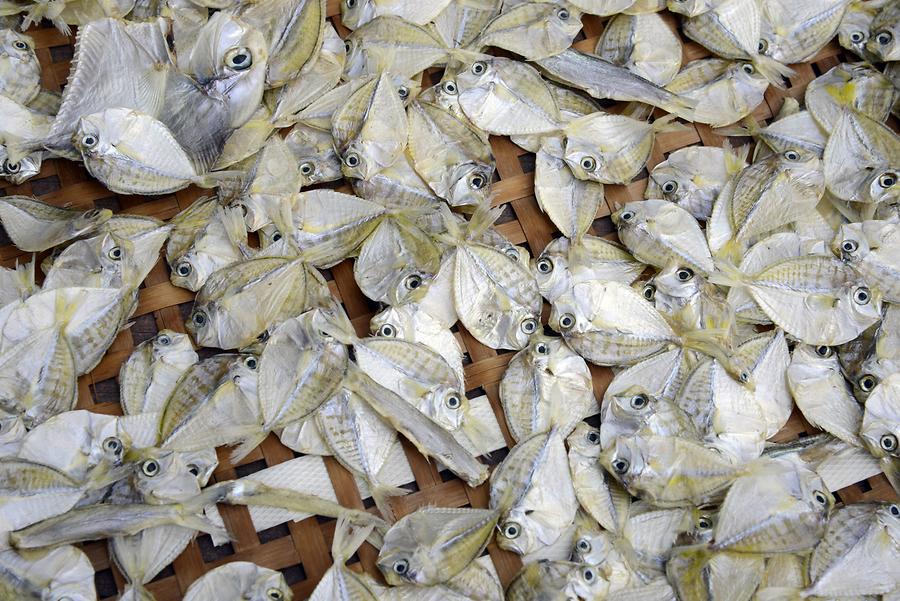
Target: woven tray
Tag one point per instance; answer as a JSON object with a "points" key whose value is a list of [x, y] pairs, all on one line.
{"points": [[301, 549]]}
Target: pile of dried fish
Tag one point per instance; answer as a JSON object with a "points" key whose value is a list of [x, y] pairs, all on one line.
{"points": [[746, 285]]}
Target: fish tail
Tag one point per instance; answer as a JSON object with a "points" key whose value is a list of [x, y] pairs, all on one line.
{"points": [[667, 124], [735, 158], [772, 70], [381, 494], [347, 539], [730, 252], [235, 228], [483, 218], [728, 275]]}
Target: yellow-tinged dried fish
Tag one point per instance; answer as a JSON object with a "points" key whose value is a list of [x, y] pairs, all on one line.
{"points": [[152, 371], [451, 156], [429, 438], [570, 203], [506, 97], [854, 86], [339, 583], [854, 30], [794, 33], [885, 30], [331, 226], [725, 91], [31, 492], [533, 491], [392, 44], [611, 149], [461, 22], [818, 300], [240, 580], [861, 160], [602, 79], [700, 574], [32, 576], [642, 43], [557, 580], [873, 248], [661, 233], [880, 431], [822, 394], [20, 71], [545, 385], [601, 496], [534, 30], [433, 544], [313, 150], [35, 226], [356, 13], [18, 172]]}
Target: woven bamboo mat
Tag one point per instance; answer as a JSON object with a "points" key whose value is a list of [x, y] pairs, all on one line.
{"points": [[301, 549]]}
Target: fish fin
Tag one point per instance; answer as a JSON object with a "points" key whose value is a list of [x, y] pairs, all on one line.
{"points": [[735, 158], [667, 124], [216, 178], [728, 275], [482, 219], [732, 252], [347, 539], [248, 444], [235, 229], [638, 110], [772, 70], [381, 494]]}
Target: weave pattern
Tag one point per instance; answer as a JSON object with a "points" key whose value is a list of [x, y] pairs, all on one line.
{"points": [[302, 549]]}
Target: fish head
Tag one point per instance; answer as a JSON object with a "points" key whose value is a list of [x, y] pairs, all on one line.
{"points": [[515, 534], [883, 43], [470, 184], [163, 476], [592, 546], [678, 282], [477, 76], [670, 182], [192, 269], [394, 321], [205, 323], [584, 440], [861, 305], [745, 79], [815, 498], [884, 185], [356, 13], [888, 518], [586, 582], [17, 46], [851, 244], [567, 317], [853, 32], [627, 411], [405, 561], [18, 172], [97, 134], [269, 586], [625, 459], [700, 528], [551, 269], [445, 95], [583, 159], [562, 24], [635, 214], [229, 60], [359, 160], [446, 406], [173, 348], [880, 429]]}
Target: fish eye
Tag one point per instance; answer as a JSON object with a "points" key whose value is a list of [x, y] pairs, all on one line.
{"points": [[251, 362], [888, 442], [401, 566], [11, 167], [567, 321], [639, 401], [563, 14], [684, 274], [867, 382], [412, 282], [545, 265], [184, 269], [895, 511], [820, 497], [748, 69], [307, 168], [588, 574], [862, 296], [887, 179], [403, 92], [239, 59], [352, 159], [193, 469], [627, 216], [273, 593], [588, 163], [857, 36], [477, 180], [704, 523], [387, 330], [541, 348], [150, 468], [511, 530], [762, 46], [884, 37], [276, 236], [529, 325], [824, 351], [511, 252], [351, 3], [164, 339], [620, 466], [453, 401], [792, 155], [849, 246], [744, 377], [20, 45], [112, 445], [115, 253], [593, 437], [583, 545], [479, 67], [670, 186], [199, 318], [348, 46], [449, 87], [649, 292]]}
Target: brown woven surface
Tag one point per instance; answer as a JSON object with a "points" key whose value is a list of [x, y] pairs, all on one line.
{"points": [[301, 549]]}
